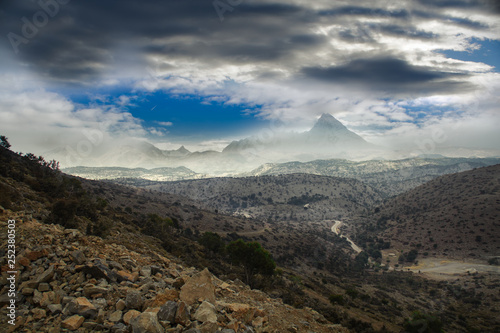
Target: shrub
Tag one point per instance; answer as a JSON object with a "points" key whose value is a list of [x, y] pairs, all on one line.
{"points": [[423, 323], [212, 242], [337, 299], [254, 258]]}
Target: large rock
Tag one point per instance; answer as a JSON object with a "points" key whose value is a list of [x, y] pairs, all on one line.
{"points": [[126, 276], [90, 290], [82, 307], [206, 313], [115, 316], [47, 275], [78, 257], [146, 322], [167, 312], [134, 299], [99, 271], [182, 314], [130, 315], [198, 288], [73, 323]]}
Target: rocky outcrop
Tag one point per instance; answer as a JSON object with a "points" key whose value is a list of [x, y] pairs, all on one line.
{"points": [[72, 282]]}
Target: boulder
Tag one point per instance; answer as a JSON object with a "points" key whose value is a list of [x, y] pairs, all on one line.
{"points": [[73, 323], [167, 312], [99, 271], [182, 314], [115, 316], [206, 313], [90, 290], [120, 305], [126, 276], [78, 257], [82, 307], [130, 315], [146, 322], [55, 308], [134, 299], [198, 287], [47, 275]]}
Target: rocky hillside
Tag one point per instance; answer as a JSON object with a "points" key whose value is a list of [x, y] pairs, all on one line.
{"points": [[68, 281], [296, 197], [455, 215]]}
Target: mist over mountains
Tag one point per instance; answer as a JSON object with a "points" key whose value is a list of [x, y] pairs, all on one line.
{"points": [[327, 139]]}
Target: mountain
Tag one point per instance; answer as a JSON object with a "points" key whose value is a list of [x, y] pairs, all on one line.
{"points": [[158, 174], [329, 130], [328, 138], [453, 216], [297, 197], [389, 177]]}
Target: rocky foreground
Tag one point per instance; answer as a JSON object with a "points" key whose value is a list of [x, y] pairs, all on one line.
{"points": [[68, 281]]}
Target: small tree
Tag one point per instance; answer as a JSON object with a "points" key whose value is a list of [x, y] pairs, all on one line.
{"points": [[4, 142], [212, 241], [253, 257], [423, 323]]}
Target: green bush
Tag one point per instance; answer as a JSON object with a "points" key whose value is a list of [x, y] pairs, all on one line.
{"points": [[337, 299], [252, 256], [423, 323], [212, 242]]}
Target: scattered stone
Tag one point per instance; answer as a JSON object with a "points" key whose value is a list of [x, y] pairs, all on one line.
{"points": [[119, 328], [90, 290], [134, 299], [146, 322], [23, 261], [115, 316], [47, 275], [38, 313], [146, 271], [206, 313], [43, 287], [54, 308], [160, 299], [156, 270], [198, 287], [99, 271], [37, 297], [82, 307], [130, 315], [120, 305], [182, 314], [78, 257], [167, 312], [209, 327], [178, 283], [73, 323], [27, 291], [126, 276]]}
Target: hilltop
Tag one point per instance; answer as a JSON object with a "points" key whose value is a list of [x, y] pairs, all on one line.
{"points": [[292, 197], [456, 216]]}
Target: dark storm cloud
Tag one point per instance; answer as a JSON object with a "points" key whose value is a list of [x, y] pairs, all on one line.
{"points": [[450, 3], [382, 73], [85, 39], [77, 42], [364, 11]]}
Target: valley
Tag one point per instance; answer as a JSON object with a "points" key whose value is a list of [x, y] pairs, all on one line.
{"points": [[341, 247]]}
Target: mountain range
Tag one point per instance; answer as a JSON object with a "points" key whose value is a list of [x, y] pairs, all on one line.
{"points": [[328, 138]]}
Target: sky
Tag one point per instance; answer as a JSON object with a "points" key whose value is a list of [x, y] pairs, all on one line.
{"points": [[200, 73]]}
